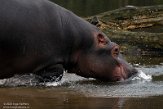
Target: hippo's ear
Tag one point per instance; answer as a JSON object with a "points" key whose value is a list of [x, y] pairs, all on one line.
{"points": [[101, 39]]}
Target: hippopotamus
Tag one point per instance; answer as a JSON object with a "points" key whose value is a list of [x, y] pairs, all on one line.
{"points": [[43, 38]]}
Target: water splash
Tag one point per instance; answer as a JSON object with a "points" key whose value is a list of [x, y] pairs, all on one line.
{"points": [[27, 80], [32, 80], [20, 80], [142, 76], [48, 84]]}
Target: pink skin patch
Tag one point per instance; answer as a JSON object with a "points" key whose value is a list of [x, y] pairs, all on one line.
{"points": [[119, 74]]}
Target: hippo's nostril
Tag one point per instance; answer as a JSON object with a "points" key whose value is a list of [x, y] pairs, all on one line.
{"points": [[115, 51]]}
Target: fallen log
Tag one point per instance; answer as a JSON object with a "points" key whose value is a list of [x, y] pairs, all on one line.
{"points": [[136, 27]]}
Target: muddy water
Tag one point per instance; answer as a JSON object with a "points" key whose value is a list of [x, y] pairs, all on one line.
{"points": [[66, 98], [145, 91]]}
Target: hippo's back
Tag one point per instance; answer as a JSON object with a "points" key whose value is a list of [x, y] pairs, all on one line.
{"points": [[30, 35]]}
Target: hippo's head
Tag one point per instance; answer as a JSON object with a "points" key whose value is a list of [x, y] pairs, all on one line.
{"points": [[103, 61]]}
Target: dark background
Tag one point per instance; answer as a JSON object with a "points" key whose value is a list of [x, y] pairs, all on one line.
{"points": [[86, 8]]}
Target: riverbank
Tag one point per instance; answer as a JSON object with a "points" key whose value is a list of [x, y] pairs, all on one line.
{"points": [[139, 30]]}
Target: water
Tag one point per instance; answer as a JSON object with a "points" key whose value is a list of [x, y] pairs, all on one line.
{"points": [[145, 91]]}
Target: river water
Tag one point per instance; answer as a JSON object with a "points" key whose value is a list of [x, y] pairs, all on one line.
{"points": [[145, 91]]}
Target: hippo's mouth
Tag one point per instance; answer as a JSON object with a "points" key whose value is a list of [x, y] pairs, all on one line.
{"points": [[123, 71], [119, 74]]}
